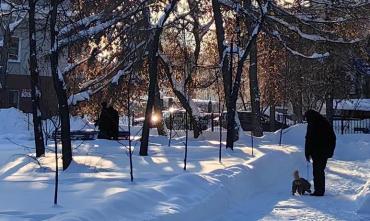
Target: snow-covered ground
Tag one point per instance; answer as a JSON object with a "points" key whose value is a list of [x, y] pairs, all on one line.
{"points": [[243, 187]]}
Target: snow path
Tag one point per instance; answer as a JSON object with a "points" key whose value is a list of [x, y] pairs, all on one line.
{"points": [[344, 181]]}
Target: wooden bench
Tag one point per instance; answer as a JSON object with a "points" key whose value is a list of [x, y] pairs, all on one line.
{"points": [[76, 135], [123, 135], [87, 135]]}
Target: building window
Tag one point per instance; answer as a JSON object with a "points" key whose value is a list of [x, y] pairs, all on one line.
{"points": [[13, 96], [14, 48]]}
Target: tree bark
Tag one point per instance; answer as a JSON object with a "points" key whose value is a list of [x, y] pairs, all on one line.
{"points": [[153, 75], [297, 108], [60, 90], [4, 63], [158, 108], [226, 74], [231, 135], [35, 88], [153, 72], [272, 117], [330, 108], [185, 103], [254, 92], [220, 34]]}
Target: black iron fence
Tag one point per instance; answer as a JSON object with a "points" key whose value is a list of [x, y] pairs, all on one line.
{"points": [[343, 125]]}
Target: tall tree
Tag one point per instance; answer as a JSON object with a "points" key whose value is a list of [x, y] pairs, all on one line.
{"points": [[153, 73], [35, 87], [254, 92], [244, 48], [60, 87]]}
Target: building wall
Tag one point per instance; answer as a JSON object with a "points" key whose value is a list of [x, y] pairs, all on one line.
{"points": [[18, 78], [20, 85]]}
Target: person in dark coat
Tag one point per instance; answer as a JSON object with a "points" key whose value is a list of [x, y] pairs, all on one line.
{"points": [[103, 122], [300, 185], [113, 123], [319, 146]]}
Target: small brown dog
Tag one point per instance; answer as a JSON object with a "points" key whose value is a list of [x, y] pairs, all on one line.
{"points": [[300, 185]]}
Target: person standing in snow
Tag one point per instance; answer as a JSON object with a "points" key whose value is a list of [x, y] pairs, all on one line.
{"points": [[113, 123], [319, 146], [103, 122]]}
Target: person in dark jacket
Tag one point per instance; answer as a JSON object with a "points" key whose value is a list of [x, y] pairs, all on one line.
{"points": [[113, 123], [319, 146], [103, 122], [300, 185]]}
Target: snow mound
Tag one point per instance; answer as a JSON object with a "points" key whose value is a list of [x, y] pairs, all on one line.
{"points": [[293, 135], [365, 193], [354, 147], [15, 123]]}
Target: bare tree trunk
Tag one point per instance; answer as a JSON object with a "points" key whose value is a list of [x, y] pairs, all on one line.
{"points": [[272, 117], [185, 103], [297, 108], [299, 101], [35, 88], [231, 135], [254, 92], [4, 63], [158, 108], [60, 90], [329, 108], [153, 72], [243, 101], [153, 75], [220, 33], [226, 74]]}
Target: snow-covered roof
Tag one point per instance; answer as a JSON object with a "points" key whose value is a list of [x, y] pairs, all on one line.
{"points": [[353, 104]]}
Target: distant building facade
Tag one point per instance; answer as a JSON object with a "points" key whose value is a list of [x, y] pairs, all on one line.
{"points": [[15, 82]]}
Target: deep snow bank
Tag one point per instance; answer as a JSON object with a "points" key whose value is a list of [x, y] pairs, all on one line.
{"points": [[365, 193], [352, 147], [194, 196], [15, 123]]}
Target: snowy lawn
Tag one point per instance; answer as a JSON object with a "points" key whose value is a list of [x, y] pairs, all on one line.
{"points": [[243, 187]]}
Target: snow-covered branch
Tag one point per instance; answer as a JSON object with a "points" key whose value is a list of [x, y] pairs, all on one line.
{"points": [[257, 28], [315, 55], [311, 37], [79, 97], [93, 25], [81, 24], [121, 73], [84, 34], [16, 23], [166, 13]]}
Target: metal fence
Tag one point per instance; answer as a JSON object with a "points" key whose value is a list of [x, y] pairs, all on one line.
{"points": [[351, 125]]}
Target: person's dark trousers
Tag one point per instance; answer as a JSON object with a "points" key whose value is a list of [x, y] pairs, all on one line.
{"points": [[319, 165]]}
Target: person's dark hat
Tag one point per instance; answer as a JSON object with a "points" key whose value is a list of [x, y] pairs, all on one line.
{"points": [[312, 115]]}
